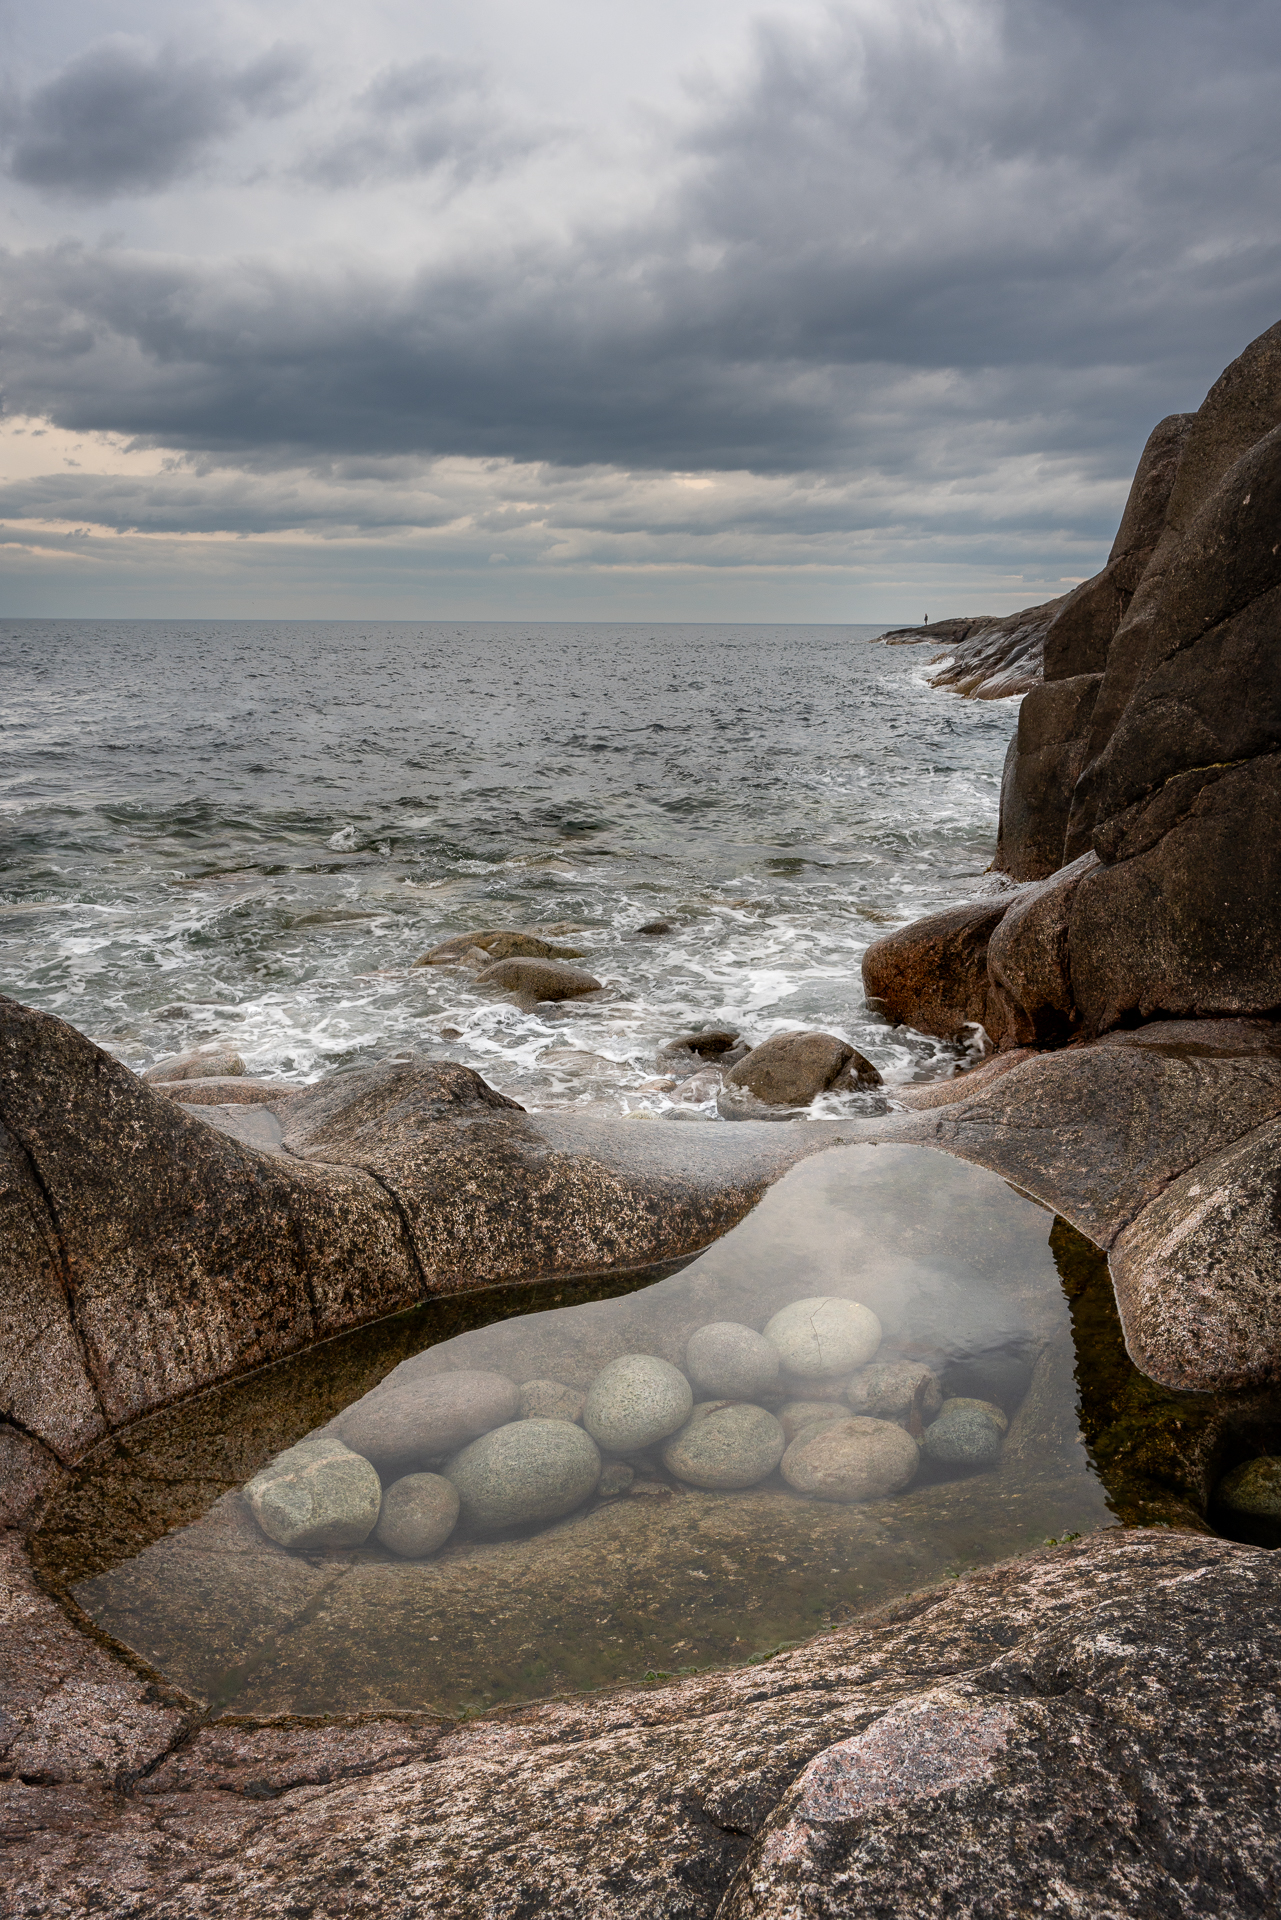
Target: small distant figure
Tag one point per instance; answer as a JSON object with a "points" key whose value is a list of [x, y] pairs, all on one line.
{"points": [[927, 619]]}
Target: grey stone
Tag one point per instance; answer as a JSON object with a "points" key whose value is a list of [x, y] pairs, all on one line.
{"points": [[203, 1064], [536, 980], [728, 1361], [616, 1478], [967, 1433], [636, 1400], [851, 1459], [725, 1444], [795, 1415], [494, 943], [550, 1400], [896, 1390], [823, 1336], [528, 1471], [418, 1514], [316, 1494], [409, 1421]]}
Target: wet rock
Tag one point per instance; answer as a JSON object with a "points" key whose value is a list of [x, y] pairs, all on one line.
{"points": [[551, 1400], [793, 1068], [496, 943], [1044, 762], [616, 1478], [822, 1337], [967, 1433], [635, 1401], [531, 1470], [418, 1514], [204, 1064], [852, 1459], [896, 1390], [1253, 1488], [409, 1422], [794, 1416], [728, 1361], [933, 975], [725, 1444], [536, 980], [317, 1494], [237, 1090], [711, 1044], [655, 928], [984, 656], [1027, 961]]}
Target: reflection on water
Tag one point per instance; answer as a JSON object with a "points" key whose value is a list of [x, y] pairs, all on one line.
{"points": [[618, 1491]]}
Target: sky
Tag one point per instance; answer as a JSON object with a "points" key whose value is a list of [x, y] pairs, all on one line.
{"points": [[654, 310]]}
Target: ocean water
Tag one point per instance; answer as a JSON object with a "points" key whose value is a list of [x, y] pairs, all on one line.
{"points": [[247, 832]]}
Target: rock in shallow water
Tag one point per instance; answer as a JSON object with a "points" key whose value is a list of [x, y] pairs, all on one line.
{"points": [[635, 1401], [419, 1512], [967, 1433], [317, 1494], [1254, 1488], [896, 1390], [616, 1478], [792, 1068], [731, 1362], [528, 1471], [725, 1444], [796, 1415], [822, 1337], [538, 979], [550, 1400], [854, 1459], [400, 1426]]}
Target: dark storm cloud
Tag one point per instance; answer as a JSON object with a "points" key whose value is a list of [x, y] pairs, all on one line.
{"points": [[962, 234], [428, 117], [122, 119]]}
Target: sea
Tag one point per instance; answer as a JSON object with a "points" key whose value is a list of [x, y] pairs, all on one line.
{"points": [[248, 832]]}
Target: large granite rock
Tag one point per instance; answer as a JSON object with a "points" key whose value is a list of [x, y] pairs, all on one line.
{"points": [[1154, 748], [1090, 1730], [988, 656], [933, 975]]}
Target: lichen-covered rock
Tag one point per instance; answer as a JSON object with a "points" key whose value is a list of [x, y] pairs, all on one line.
{"points": [[316, 1494], [528, 1471], [731, 1362], [1254, 1488], [418, 1514], [824, 1336], [851, 1459], [636, 1400], [725, 1444]]}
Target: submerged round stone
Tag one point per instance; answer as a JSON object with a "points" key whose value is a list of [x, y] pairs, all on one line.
{"points": [[725, 1444], [796, 1415], [967, 1433], [411, 1420], [853, 1459], [529, 1470], [317, 1494], [1254, 1488], [550, 1400], [419, 1512], [731, 1362], [895, 1390], [824, 1336], [635, 1401]]}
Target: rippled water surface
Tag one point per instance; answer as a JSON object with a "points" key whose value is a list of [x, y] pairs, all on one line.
{"points": [[249, 832]]}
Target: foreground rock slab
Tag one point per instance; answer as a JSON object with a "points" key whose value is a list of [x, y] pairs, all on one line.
{"points": [[1091, 1731]]}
